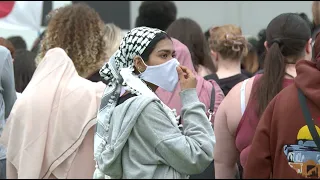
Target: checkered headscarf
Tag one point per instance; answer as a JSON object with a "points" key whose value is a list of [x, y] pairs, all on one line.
{"points": [[133, 44]]}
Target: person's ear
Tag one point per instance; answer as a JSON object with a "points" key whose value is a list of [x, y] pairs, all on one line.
{"points": [[139, 64], [214, 55], [266, 45], [309, 46]]}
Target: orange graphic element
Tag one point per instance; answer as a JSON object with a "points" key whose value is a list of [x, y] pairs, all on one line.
{"points": [[308, 169]]}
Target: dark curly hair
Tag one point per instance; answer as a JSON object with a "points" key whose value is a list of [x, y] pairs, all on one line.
{"points": [[156, 14], [79, 30]]}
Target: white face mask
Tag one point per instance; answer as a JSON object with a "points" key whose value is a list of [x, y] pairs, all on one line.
{"points": [[164, 75]]}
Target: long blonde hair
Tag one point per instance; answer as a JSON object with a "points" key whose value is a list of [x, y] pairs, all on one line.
{"points": [[113, 37]]}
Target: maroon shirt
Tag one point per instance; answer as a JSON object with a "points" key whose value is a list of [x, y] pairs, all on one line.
{"points": [[248, 123]]}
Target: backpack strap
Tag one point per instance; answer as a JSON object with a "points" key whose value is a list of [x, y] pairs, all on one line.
{"points": [[243, 96], [308, 118], [212, 102]]}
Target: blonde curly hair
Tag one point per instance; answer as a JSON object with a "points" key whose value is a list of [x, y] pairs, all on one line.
{"points": [[113, 36], [79, 30]]}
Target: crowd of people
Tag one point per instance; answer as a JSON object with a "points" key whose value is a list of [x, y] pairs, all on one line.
{"points": [[163, 101]]}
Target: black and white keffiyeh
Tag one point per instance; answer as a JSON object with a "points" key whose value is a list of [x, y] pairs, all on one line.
{"points": [[119, 73]]}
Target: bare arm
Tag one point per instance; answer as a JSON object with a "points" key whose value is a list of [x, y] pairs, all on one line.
{"points": [[219, 96], [225, 152]]}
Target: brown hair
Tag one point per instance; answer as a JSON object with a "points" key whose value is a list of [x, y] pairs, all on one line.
{"points": [[316, 12], [228, 41], [24, 67], [287, 36], [79, 30], [251, 60], [190, 34], [6, 43]]}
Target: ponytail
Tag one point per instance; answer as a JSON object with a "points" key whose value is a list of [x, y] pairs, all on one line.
{"points": [[270, 84]]}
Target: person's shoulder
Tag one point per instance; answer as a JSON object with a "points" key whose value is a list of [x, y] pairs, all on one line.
{"points": [[235, 91], [152, 105], [147, 109], [143, 104], [4, 52], [211, 77], [287, 94]]}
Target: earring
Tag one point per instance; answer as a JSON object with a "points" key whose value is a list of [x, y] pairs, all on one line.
{"points": [[139, 69]]}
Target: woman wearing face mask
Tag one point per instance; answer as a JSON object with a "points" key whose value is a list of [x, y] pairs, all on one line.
{"points": [[204, 88], [137, 135]]}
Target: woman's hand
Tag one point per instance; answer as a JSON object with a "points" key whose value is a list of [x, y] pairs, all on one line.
{"points": [[187, 78]]}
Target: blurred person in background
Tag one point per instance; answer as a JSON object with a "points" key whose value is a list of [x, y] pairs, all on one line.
{"points": [[156, 14], [250, 62], [287, 42], [228, 46], [18, 42], [4, 42], [207, 35], [113, 39], [24, 67], [193, 38], [57, 140], [37, 43], [261, 50], [7, 99]]}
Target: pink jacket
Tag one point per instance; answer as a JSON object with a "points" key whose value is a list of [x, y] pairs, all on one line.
{"points": [[49, 133]]}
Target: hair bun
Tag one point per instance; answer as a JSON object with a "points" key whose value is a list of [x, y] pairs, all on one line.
{"points": [[236, 42], [228, 41]]}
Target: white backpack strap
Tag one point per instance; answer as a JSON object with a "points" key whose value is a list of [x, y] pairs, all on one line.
{"points": [[243, 96]]}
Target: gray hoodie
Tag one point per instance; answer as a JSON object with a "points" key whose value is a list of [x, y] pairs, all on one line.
{"points": [[144, 142], [7, 90]]}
